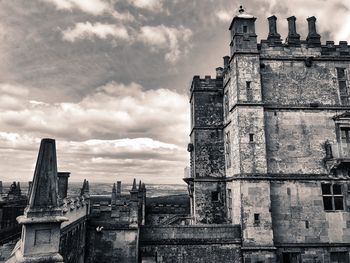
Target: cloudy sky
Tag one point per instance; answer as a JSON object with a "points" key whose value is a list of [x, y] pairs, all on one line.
{"points": [[109, 79]]}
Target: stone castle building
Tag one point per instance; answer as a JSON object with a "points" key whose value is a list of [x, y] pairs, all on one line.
{"points": [[269, 179]]}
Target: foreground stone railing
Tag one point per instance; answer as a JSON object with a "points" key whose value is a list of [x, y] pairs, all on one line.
{"points": [[203, 234]]}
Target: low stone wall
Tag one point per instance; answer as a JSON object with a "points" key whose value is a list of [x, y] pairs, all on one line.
{"points": [[210, 243], [190, 234]]}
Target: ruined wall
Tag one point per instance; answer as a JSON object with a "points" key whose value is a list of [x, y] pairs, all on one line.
{"points": [[295, 202], [295, 140]]}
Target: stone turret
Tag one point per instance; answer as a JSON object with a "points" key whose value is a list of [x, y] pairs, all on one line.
{"points": [[42, 217], [313, 38]]}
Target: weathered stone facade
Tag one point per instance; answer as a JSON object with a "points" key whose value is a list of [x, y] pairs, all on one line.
{"points": [[286, 135]]}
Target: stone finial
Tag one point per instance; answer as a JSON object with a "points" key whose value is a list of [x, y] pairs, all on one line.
{"points": [[44, 189], [143, 187], [241, 10], [293, 38], [140, 185], [134, 191], [134, 188], [273, 37], [313, 38], [119, 188], [42, 217]]}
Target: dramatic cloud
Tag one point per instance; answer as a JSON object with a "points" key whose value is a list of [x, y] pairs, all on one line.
{"points": [[64, 62], [93, 7], [88, 30], [114, 124], [174, 41], [152, 5], [168, 38], [224, 16]]}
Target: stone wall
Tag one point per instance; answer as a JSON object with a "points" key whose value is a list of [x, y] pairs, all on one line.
{"points": [[214, 243], [111, 245], [295, 140], [206, 209], [298, 214]]}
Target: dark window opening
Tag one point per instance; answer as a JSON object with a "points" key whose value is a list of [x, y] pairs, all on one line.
{"points": [[307, 224], [291, 257], [256, 218], [343, 87], [249, 91], [333, 198], [245, 29], [215, 196], [251, 137], [339, 257]]}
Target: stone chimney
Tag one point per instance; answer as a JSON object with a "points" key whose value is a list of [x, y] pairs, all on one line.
{"points": [[219, 72], [293, 38], [274, 38], [226, 62], [313, 38], [42, 217], [62, 184]]}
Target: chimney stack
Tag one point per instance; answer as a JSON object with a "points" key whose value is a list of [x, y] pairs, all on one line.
{"points": [[226, 62], [274, 38], [219, 72], [293, 38], [313, 38], [63, 184]]}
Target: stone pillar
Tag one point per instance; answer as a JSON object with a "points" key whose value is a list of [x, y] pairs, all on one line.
{"points": [[313, 38], [274, 38], [42, 217], [63, 184], [293, 38]]}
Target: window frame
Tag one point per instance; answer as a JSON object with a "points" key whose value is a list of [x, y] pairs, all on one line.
{"points": [[333, 197]]}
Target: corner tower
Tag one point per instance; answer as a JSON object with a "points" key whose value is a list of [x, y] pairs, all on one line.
{"points": [[207, 177]]}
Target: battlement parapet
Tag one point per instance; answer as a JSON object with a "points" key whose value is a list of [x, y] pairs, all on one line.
{"points": [[327, 51]]}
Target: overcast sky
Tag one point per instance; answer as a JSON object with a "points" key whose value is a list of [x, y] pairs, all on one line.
{"points": [[109, 79]]}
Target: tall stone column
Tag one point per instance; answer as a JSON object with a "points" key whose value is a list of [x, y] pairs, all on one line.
{"points": [[42, 217]]}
